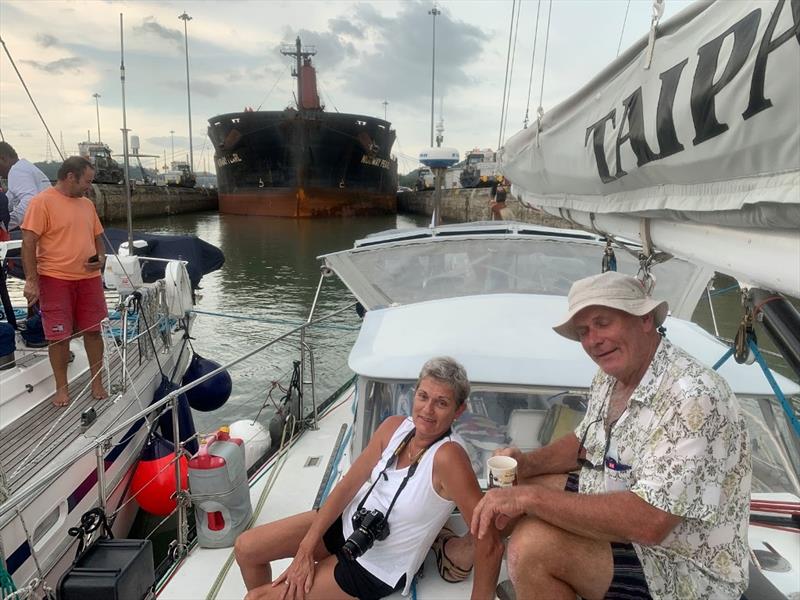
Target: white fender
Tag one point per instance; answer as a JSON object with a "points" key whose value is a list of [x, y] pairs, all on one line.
{"points": [[178, 289]]}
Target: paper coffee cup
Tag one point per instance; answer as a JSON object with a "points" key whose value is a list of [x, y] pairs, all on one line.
{"points": [[501, 471]]}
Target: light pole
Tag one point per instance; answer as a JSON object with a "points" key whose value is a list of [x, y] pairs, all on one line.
{"points": [[172, 141], [434, 12], [97, 106], [385, 104], [186, 18]]}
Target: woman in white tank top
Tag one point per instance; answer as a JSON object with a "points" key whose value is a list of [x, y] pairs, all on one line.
{"points": [[412, 470]]}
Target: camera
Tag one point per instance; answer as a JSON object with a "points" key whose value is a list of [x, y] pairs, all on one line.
{"points": [[368, 526]]}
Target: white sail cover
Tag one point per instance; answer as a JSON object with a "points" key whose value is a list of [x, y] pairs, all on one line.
{"points": [[712, 125], [708, 134]]}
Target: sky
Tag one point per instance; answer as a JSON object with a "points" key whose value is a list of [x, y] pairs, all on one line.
{"points": [[368, 54]]}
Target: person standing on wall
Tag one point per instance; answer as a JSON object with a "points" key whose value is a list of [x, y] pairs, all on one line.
{"points": [[63, 255]]}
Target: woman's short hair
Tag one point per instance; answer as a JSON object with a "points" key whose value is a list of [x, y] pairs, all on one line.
{"points": [[449, 371], [75, 165]]}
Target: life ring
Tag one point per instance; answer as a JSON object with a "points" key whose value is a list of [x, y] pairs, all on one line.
{"points": [[178, 289]]}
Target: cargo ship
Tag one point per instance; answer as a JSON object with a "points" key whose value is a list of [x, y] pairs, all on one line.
{"points": [[304, 161]]}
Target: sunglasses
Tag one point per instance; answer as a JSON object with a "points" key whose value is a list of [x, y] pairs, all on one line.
{"points": [[611, 463]]}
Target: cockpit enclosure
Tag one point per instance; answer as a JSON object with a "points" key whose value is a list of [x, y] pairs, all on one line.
{"points": [[528, 418], [475, 259]]}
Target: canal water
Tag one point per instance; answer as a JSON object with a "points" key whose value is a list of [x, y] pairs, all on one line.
{"points": [[270, 277]]}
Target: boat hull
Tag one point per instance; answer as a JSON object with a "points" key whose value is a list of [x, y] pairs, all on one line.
{"points": [[307, 202], [304, 164]]}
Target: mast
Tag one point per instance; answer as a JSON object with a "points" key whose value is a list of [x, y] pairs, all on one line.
{"points": [[299, 53], [125, 139]]}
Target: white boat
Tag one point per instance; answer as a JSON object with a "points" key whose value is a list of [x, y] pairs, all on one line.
{"points": [[488, 295], [49, 456]]}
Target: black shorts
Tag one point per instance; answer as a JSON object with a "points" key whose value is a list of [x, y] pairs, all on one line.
{"points": [[628, 582], [350, 575]]}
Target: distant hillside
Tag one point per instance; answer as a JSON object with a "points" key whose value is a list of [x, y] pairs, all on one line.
{"points": [[409, 179], [51, 170]]}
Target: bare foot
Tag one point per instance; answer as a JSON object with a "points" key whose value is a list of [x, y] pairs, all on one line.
{"points": [[98, 391], [61, 398]]}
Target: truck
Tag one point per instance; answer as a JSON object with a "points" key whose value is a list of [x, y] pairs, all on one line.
{"points": [[481, 169], [106, 169], [180, 175]]}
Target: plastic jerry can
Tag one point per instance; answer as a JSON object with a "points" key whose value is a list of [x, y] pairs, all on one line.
{"points": [[219, 490]]}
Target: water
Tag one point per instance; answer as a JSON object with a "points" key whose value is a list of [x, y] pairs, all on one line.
{"points": [[271, 273]]}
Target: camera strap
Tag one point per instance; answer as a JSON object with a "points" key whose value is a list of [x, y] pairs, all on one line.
{"points": [[412, 468]]}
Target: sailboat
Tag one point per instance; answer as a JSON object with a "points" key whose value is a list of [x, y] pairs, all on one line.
{"points": [[67, 471], [488, 294]]}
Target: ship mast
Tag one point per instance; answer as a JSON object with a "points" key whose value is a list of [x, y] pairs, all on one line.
{"points": [[299, 53]]}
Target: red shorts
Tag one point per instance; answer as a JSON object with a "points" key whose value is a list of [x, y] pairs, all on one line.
{"points": [[71, 306]]}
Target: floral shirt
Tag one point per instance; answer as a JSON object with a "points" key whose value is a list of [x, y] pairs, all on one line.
{"points": [[682, 446]]}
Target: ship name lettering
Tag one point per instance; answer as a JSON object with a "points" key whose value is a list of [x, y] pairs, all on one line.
{"points": [[375, 161], [702, 96], [223, 161]]}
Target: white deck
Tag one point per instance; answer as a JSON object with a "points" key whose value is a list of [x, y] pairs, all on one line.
{"points": [[291, 494]]}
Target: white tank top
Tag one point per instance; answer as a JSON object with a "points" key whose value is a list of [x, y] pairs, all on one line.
{"points": [[416, 519]]}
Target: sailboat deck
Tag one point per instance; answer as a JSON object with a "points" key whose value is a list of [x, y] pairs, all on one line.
{"points": [[23, 451], [290, 485]]}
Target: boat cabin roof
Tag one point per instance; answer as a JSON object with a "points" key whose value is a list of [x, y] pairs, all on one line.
{"points": [[507, 339], [402, 267]]}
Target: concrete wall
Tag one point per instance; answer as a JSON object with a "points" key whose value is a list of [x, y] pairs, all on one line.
{"points": [[150, 201], [463, 205]]}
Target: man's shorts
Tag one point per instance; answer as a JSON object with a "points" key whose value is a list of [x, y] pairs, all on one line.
{"points": [[628, 582], [350, 575], [71, 306]]}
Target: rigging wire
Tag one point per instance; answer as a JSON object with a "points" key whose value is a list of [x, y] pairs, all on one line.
{"points": [[505, 80], [624, 22], [36, 108], [272, 89], [540, 110], [533, 58], [511, 71]]}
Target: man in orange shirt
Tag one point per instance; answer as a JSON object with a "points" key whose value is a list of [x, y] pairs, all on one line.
{"points": [[63, 255]]}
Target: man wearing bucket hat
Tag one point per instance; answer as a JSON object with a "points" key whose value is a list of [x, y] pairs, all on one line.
{"points": [[661, 464]]}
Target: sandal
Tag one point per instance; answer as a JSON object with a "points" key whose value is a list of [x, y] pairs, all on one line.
{"points": [[448, 570]]}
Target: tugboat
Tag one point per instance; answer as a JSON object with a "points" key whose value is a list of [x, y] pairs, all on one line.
{"points": [[303, 161]]}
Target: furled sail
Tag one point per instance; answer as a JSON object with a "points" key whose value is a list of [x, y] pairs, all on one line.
{"points": [[704, 143]]}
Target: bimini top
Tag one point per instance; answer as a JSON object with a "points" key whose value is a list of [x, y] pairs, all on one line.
{"points": [[508, 339], [402, 267]]}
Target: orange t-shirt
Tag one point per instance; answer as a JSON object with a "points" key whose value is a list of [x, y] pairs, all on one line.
{"points": [[66, 228]]}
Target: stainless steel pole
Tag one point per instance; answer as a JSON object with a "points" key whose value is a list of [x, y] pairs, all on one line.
{"points": [[97, 107], [434, 11], [186, 18], [126, 161]]}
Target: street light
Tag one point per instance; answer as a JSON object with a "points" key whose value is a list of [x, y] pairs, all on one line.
{"points": [[172, 140], [186, 18], [385, 104], [434, 12], [97, 106]]}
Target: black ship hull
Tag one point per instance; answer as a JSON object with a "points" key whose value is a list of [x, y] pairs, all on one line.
{"points": [[303, 164]]}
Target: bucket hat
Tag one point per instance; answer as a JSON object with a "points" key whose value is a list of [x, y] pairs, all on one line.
{"points": [[613, 290]]}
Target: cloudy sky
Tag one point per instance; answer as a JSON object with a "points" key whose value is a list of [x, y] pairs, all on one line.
{"points": [[367, 53]]}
